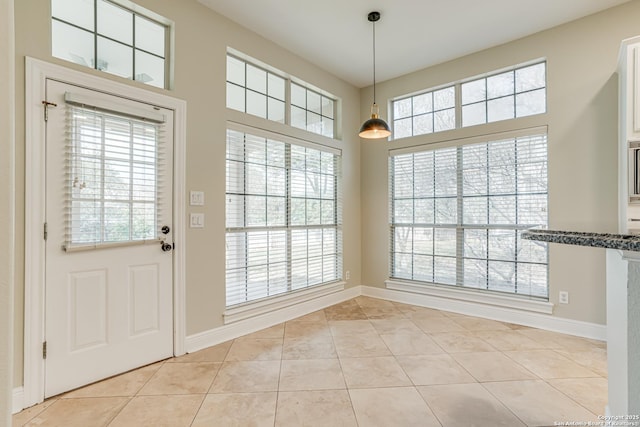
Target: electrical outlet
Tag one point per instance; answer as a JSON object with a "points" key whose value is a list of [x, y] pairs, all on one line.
{"points": [[563, 297], [347, 275]]}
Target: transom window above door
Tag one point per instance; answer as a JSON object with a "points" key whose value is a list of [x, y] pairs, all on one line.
{"points": [[116, 37]]}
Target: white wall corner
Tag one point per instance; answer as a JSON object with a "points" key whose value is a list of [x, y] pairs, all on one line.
{"points": [[18, 399]]}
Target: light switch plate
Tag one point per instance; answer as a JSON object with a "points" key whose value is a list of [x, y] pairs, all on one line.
{"points": [[196, 198], [197, 220]]}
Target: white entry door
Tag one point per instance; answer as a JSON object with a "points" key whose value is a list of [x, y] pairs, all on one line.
{"points": [[109, 275]]}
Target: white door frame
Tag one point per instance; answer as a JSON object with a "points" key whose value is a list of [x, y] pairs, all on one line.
{"points": [[37, 72]]}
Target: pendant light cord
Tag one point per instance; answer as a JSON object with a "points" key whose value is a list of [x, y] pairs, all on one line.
{"points": [[374, 62]]}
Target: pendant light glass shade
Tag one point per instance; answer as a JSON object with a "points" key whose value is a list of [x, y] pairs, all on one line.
{"points": [[375, 127]]}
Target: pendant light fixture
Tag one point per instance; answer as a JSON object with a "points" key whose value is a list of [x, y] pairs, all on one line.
{"points": [[375, 127]]}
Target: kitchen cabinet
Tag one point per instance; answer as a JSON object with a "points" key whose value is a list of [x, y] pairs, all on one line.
{"points": [[629, 136]]}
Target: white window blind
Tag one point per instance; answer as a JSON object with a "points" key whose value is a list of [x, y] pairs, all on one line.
{"points": [[113, 190], [457, 213], [283, 216]]}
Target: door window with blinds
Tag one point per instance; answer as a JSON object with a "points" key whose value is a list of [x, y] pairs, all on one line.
{"points": [[283, 216], [114, 161], [457, 214]]}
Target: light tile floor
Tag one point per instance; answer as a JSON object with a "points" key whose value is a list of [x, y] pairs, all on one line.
{"points": [[365, 362]]}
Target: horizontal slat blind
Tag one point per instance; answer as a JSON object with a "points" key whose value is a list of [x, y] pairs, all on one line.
{"points": [[113, 187], [283, 217], [457, 213]]}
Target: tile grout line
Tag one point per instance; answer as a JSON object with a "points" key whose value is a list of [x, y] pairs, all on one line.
{"points": [[395, 358], [504, 405], [414, 386], [275, 410], [353, 409], [572, 399]]}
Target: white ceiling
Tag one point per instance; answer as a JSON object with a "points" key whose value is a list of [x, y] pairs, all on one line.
{"points": [[336, 36]]}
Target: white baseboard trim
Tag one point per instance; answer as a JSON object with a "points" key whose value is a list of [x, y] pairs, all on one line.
{"points": [[18, 399], [247, 311], [239, 328], [503, 314], [474, 296]]}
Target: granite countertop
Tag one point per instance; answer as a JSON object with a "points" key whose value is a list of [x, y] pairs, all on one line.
{"points": [[625, 242]]}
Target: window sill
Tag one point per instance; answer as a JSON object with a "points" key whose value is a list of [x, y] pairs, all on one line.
{"points": [[277, 302], [521, 303]]}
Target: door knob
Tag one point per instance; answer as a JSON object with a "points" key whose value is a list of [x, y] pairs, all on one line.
{"points": [[166, 247]]}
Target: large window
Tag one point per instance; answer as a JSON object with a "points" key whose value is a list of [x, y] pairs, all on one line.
{"points": [[283, 215], [503, 95], [457, 213], [257, 91], [104, 35]]}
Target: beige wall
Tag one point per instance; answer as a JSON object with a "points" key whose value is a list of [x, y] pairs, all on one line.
{"points": [[582, 133], [201, 40], [6, 208]]}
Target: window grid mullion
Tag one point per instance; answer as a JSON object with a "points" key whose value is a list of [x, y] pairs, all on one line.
{"points": [[131, 181], [517, 190], [102, 177], [95, 34], [488, 214], [460, 213], [433, 230], [266, 218], [413, 207], [515, 112], [244, 219], [457, 105], [288, 221], [133, 43]]}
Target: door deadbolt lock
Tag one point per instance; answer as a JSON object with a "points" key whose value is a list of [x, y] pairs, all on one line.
{"points": [[165, 229]]}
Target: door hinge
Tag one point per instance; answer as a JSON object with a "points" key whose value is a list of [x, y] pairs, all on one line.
{"points": [[44, 350], [46, 231], [46, 105]]}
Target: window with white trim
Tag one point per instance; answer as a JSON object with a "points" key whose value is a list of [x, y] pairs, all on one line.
{"points": [[109, 37], [113, 166], [254, 90], [457, 214], [283, 215], [504, 95]]}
